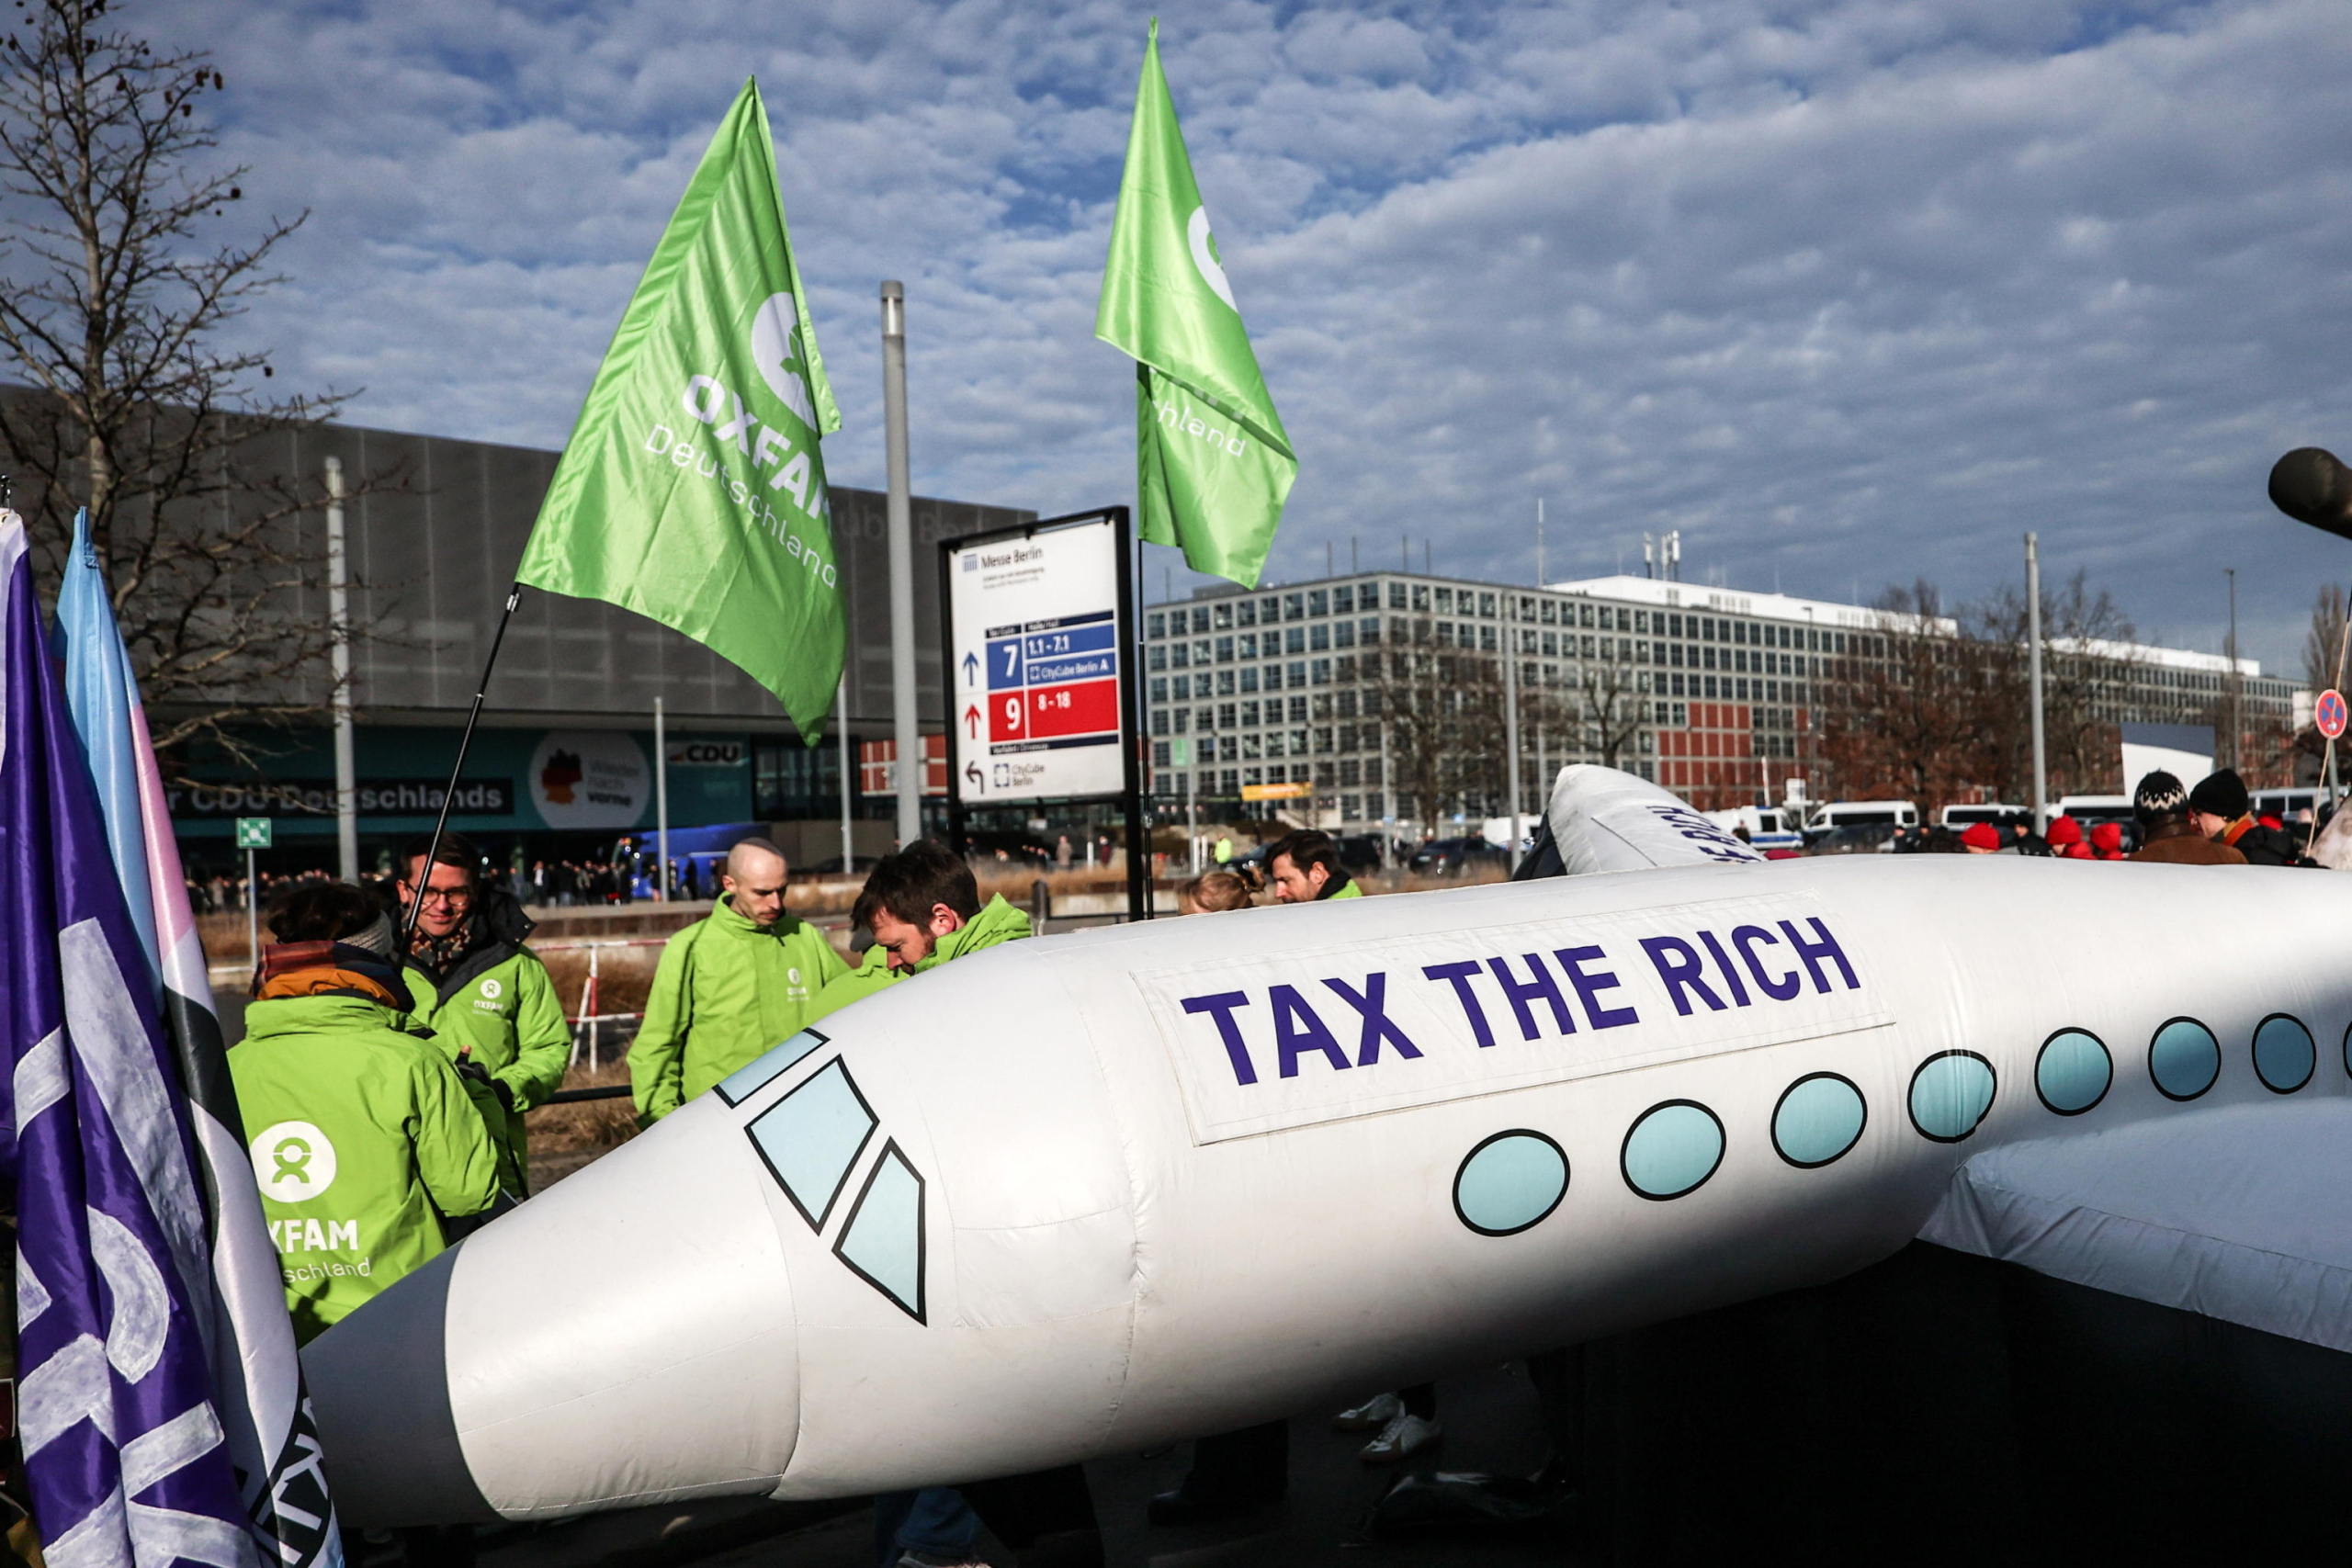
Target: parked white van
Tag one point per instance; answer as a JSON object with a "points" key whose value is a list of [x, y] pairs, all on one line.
{"points": [[1864, 814], [1989, 811], [2090, 808]]}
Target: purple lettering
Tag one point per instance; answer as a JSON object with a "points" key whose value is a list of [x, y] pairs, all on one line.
{"points": [[1812, 952], [1572, 961], [1221, 1008], [1377, 1025], [1523, 996], [1459, 976], [1729, 970], [1679, 964], [1298, 1030], [1746, 938]]}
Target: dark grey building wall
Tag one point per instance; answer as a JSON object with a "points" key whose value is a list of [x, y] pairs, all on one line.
{"points": [[434, 550]]}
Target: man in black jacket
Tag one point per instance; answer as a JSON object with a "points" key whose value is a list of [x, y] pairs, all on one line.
{"points": [[2222, 810]]}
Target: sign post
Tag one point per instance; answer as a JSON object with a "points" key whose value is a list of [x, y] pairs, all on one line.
{"points": [[1179, 753], [1041, 682], [252, 833], [2328, 713]]}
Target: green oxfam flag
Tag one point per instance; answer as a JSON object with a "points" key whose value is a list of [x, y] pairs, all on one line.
{"points": [[1213, 462], [693, 489]]}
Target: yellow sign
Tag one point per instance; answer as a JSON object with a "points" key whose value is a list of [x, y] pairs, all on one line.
{"points": [[1277, 791]]}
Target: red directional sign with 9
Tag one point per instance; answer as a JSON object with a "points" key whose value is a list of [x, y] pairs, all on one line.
{"points": [[2329, 713]]}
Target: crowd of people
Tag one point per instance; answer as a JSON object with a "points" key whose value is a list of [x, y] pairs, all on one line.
{"points": [[2213, 824]]}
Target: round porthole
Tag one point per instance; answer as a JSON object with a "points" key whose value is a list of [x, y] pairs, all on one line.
{"points": [[2284, 1056], [1951, 1094], [2184, 1059], [2073, 1071], [1819, 1117], [1672, 1149], [1509, 1182]]}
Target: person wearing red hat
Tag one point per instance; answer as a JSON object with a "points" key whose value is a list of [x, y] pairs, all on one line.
{"points": [[2106, 840], [2065, 838], [1981, 839]]}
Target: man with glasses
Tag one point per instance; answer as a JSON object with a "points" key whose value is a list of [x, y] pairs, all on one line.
{"points": [[485, 996]]}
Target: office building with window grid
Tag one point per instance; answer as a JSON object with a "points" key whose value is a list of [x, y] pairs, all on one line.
{"points": [[1708, 691]]}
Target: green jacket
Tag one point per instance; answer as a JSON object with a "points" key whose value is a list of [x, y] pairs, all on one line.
{"points": [[362, 1138], [724, 992], [1349, 891], [997, 921], [500, 1003]]}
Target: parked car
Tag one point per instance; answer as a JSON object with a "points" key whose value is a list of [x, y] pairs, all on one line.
{"points": [[1451, 857], [1860, 838]]}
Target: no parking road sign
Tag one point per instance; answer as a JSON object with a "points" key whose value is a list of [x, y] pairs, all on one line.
{"points": [[2328, 713]]}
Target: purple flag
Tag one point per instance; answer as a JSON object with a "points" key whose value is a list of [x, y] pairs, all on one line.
{"points": [[273, 1440], [122, 1437]]}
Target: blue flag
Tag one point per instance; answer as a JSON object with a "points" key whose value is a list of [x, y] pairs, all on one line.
{"points": [[123, 1442], [272, 1443]]}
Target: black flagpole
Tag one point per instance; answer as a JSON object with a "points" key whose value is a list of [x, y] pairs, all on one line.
{"points": [[440, 825]]}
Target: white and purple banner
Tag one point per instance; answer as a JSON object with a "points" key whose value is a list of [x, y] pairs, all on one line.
{"points": [[267, 1425], [124, 1443]]}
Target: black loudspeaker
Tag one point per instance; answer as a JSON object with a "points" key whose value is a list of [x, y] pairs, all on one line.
{"points": [[2310, 486]]}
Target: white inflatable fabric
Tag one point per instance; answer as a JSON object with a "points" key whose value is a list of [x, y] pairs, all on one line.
{"points": [[2238, 1214], [1087, 1194], [1604, 820]]}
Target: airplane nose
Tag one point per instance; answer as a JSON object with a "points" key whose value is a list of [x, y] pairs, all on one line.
{"points": [[624, 1338]]}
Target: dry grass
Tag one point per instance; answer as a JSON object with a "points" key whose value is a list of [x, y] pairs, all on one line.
{"points": [[586, 1125]]}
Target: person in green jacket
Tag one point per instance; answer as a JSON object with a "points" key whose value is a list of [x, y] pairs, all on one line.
{"points": [[1305, 868], [364, 1140], [923, 906], [729, 987], [486, 997]]}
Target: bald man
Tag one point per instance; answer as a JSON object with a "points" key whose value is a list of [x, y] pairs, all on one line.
{"points": [[729, 987]]}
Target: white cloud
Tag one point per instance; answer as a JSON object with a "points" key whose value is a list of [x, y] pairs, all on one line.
{"points": [[1850, 292]]}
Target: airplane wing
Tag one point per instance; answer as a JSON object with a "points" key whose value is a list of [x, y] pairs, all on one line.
{"points": [[1606, 819], [2239, 1214]]}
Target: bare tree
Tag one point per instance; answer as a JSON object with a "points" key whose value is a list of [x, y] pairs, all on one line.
{"points": [[1442, 712], [1605, 709], [2087, 669], [2324, 644], [111, 311], [1909, 711]]}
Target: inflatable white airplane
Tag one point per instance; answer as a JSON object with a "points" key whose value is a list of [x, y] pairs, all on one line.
{"points": [[1089, 1193]]}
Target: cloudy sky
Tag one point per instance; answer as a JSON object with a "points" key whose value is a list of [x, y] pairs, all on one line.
{"points": [[1848, 292]]}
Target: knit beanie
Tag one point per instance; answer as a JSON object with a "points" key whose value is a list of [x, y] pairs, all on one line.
{"points": [[2159, 795], [2220, 795], [376, 937], [1982, 836]]}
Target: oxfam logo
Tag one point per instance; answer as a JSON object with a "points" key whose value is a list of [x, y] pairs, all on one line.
{"points": [[1204, 246], [492, 990], [776, 349], [293, 1161]]}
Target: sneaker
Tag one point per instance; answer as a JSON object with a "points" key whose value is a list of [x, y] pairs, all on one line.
{"points": [[1401, 1439], [1370, 1415]]}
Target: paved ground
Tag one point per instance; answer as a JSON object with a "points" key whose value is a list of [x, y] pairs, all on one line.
{"points": [[1490, 1419]]}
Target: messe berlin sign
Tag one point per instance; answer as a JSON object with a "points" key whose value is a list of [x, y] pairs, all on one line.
{"points": [[1035, 644]]}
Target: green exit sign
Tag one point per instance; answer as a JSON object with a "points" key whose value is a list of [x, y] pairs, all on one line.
{"points": [[253, 832]]}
